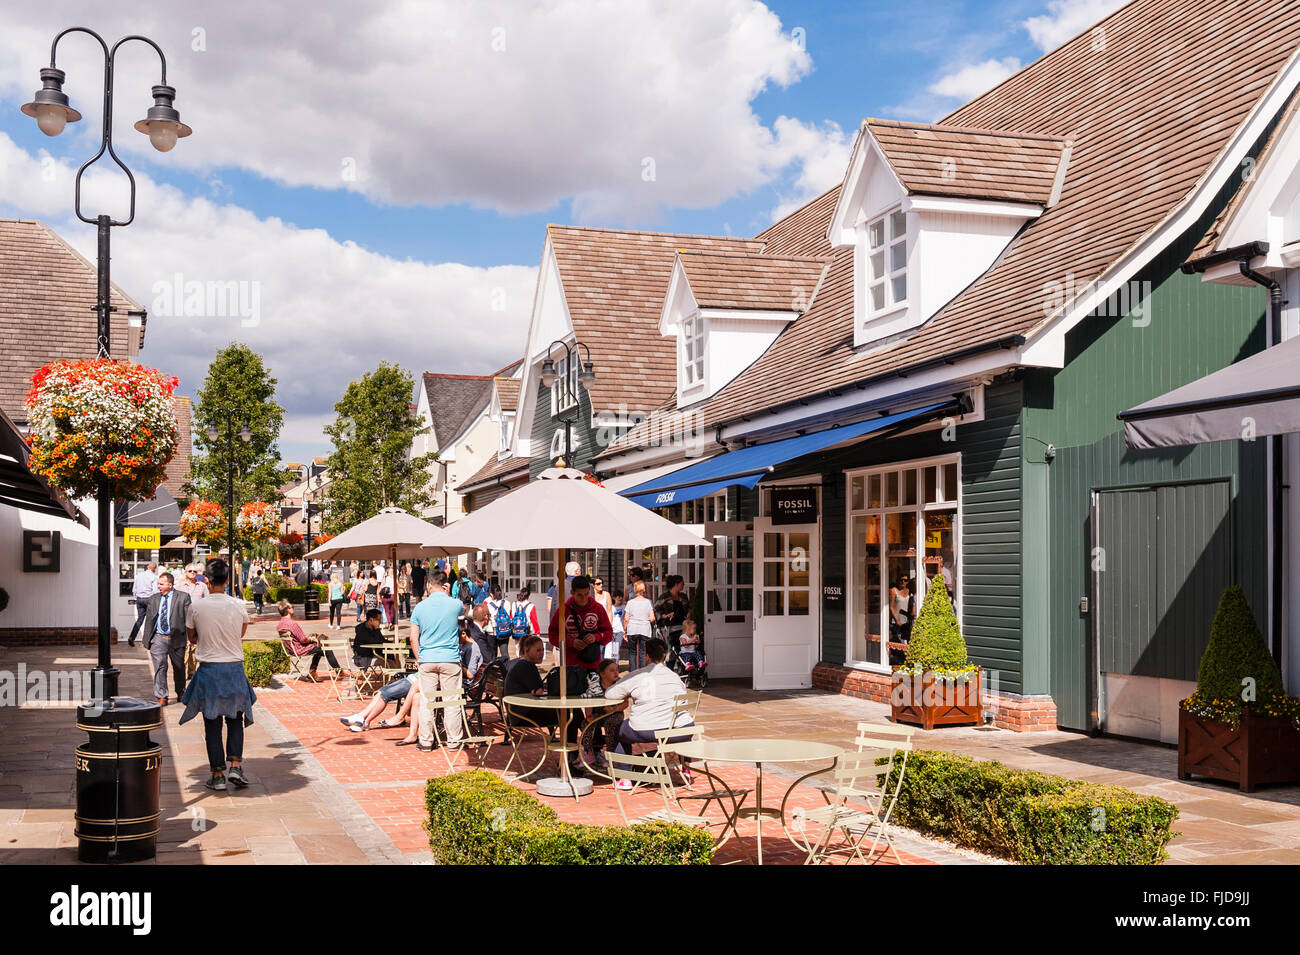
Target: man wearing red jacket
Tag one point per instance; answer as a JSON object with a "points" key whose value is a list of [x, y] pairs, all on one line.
{"points": [[586, 627]]}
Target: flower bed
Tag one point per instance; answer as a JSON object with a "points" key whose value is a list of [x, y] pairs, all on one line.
{"points": [[477, 818]]}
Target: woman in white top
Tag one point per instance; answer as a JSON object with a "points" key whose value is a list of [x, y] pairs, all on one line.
{"points": [[899, 598], [650, 692], [638, 619]]}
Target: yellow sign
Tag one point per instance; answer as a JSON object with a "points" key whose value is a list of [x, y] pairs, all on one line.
{"points": [[142, 538], [934, 539]]}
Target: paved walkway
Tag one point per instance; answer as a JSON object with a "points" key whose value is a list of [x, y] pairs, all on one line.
{"points": [[292, 811]]}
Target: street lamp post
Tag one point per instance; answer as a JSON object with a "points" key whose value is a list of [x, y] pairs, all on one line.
{"points": [[246, 436], [52, 111], [586, 375]]}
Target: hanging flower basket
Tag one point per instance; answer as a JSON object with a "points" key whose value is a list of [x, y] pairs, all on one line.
{"points": [[290, 545], [98, 419], [203, 521], [257, 521]]}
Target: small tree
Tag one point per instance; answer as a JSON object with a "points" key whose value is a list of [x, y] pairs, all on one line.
{"points": [[936, 642], [1236, 665]]}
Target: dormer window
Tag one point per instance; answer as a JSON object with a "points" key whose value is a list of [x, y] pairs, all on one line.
{"points": [[692, 363], [887, 260]]}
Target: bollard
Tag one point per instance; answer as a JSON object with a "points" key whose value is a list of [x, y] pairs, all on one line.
{"points": [[118, 772]]}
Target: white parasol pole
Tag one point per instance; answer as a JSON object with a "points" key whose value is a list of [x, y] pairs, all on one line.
{"points": [[564, 673]]}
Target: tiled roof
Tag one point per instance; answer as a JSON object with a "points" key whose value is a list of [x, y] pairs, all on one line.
{"points": [[761, 282], [511, 467], [1148, 111], [966, 163], [178, 468], [508, 393], [614, 283], [47, 298], [454, 401]]}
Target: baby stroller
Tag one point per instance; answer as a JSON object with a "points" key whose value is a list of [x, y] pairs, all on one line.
{"points": [[696, 677]]}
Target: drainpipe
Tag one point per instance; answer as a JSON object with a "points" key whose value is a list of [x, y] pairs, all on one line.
{"points": [[1242, 255]]}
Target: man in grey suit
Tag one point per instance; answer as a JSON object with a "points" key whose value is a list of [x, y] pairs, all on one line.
{"points": [[164, 636]]}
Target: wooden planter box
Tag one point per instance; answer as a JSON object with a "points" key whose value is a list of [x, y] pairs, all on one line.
{"points": [[1262, 749], [927, 702]]}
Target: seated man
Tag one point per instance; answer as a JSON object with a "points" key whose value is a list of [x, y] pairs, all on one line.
{"points": [[403, 691], [367, 631], [476, 626], [299, 643]]}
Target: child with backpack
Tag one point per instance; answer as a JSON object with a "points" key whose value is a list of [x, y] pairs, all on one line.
{"points": [[501, 617], [523, 619]]}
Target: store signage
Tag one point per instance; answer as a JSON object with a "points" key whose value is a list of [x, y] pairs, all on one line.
{"points": [[793, 505], [41, 551], [833, 591], [142, 538]]}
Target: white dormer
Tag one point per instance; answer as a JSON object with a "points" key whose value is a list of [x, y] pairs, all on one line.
{"points": [[928, 209], [726, 309]]}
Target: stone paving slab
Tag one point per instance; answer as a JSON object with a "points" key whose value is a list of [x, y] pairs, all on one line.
{"points": [[291, 813]]}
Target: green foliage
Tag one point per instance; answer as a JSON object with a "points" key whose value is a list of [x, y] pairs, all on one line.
{"points": [[263, 660], [1031, 817], [477, 818], [1236, 655], [237, 389], [936, 642], [371, 466], [292, 593]]}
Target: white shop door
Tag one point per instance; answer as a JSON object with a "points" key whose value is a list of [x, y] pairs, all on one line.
{"points": [[787, 611], [729, 599]]}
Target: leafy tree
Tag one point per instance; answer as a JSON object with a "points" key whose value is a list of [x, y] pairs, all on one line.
{"points": [[237, 389], [371, 466]]}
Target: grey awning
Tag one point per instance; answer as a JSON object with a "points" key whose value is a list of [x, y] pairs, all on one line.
{"points": [[22, 489], [159, 511], [1256, 396]]}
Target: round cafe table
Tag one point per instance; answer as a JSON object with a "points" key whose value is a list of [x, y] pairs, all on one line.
{"points": [[756, 752], [525, 701]]}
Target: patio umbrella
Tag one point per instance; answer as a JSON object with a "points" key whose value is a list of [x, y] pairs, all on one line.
{"points": [[392, 533], [564, 510]]}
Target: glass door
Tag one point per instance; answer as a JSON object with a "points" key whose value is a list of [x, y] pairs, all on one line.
{"points": [[729, 599], [787, 631]]}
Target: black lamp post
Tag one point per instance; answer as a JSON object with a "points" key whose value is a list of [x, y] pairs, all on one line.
{"points": [[51, 110], [586, 375], [246, 436]]}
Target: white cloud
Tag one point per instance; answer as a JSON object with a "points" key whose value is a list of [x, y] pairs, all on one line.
{"points": [[1066, 19], [327, 310], [496, 104], [822, 154], [973, 79]]}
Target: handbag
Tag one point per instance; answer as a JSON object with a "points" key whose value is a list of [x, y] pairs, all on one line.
{"points": [[191, 661], [575, 681]]}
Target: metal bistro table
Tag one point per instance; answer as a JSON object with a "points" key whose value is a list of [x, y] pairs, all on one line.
{"points": [[756, 752], [525, 701]]}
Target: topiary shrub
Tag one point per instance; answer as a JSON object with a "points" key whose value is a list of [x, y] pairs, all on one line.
{"points": [[477, 818], [936, 642], [1237, 669], [263, 659]]}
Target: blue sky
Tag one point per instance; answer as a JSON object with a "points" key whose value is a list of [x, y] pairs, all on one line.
{"points": [[465, 163]]}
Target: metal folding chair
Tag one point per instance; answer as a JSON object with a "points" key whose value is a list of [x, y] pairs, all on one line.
{"points": [[455, 700], [651, 771], [298, 662], [863, 800]]}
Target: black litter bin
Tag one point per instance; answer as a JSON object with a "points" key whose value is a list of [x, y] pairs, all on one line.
{"points": [[118, 771], [311, 604]]}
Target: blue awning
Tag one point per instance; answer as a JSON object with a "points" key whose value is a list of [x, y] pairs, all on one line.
{"points": [[747, 466]]}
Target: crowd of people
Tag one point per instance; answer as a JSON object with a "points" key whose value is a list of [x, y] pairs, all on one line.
{"points": [[460, 624]]}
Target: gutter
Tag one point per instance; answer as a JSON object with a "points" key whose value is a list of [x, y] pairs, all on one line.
{"points": [[1242, 255]]}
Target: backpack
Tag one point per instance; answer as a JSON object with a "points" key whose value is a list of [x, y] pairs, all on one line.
{"points": [[503, 619], [520, 627]]}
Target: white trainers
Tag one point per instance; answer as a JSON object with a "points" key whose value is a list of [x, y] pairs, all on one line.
{"points": [[624, 784]]}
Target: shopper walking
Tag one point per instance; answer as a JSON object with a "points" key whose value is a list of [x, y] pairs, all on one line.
{"points": [[144, 587]]}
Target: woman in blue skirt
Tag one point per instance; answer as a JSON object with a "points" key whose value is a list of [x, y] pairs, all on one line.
{"points": [[220, 689]]}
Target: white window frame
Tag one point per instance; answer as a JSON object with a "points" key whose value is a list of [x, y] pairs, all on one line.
{"points": [[692, 370], [564, 391], [852, 596], [887, 276]]}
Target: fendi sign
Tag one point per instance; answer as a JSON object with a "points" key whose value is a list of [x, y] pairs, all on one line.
{"points": [[793, 505]]}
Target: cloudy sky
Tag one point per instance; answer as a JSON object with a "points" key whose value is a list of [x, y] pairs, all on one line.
{"points": [[374, 183]]}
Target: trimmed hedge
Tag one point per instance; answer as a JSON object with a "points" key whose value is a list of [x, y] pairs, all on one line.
{"points": [[293, 594], [1031, 817], [477, 818], [263, 659]]}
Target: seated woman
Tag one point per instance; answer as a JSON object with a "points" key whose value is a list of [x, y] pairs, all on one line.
{"points": [[649, 692], [299, 643]]}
